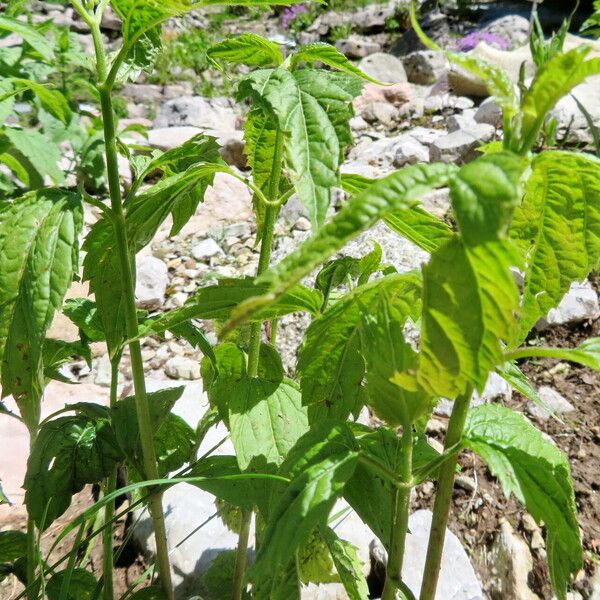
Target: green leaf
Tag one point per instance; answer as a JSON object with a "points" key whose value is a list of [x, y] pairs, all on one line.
{"points": [[553, 81], [52, 101], [557, 228], [38, 258], [484, 194], [537, 473], [469, 305], [36, 147], [170, 430], [511, 373], [305, 504], [330, 363], [218, 301], [312, 109], [330, 56], [347, 564], [398, 190], [82, 585], [29, 34], [84, 313], [153, 592], [386, 352], [58, 352], [247, 49], [13, 545], [586, 354], [68, 453], [266, 419]]}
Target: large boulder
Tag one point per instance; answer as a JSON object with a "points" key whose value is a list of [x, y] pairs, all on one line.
{"points": [[384, 68], [209, 114]]}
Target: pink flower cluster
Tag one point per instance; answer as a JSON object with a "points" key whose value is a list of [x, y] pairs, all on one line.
{"points": [[470, 41], [290, 13]]}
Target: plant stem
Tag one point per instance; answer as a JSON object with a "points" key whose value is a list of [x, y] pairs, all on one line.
{"points": [[242, 555], [109, 509], [32, 547], [400, 526], [266, 244], [132, 331], [443, 498]]}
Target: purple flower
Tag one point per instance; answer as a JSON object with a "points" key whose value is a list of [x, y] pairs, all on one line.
{"points": [[290, 13], [470, 41]]}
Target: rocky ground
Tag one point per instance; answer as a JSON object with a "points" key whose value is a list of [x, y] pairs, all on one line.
{"points": [[432, 113]]}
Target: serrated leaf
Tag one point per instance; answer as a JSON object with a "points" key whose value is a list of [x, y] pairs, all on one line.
{"points": [[537, 473], [557, 228], [312, 110], [38, 149], [484, 194], [330, 363], [68, 453], [13, 545], [306, 503], [347, 564], [247, 49], [398, 190], [29, 34], [38, 257], [84, 313], [218, 301], [328, 55], [170, 432], [52, 101], [266, 419], [470, 301], [386, 352], [82, 585]]}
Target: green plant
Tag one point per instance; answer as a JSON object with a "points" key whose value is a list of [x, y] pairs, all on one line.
{"points": [[297, 447]]}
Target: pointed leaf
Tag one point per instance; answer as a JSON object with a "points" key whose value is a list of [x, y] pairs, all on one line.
{"points": [[247, 49], [537, 473], [13, 545], [29, 34], [557, 228], [38, 258]]}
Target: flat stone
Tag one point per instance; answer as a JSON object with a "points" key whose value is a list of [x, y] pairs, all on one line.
{"points": [[209, 114], [151, 282], [165, 138], [457, 577], [489, 112], [357, 47], [552, 399], [384, 68], [579, 304], [206, 249], [409, 151], [459, 146], [182, 367], [425, 67]]}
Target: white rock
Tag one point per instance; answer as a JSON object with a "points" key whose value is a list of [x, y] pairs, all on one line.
{"points": [[426, 135], [459, 146], [380, 112], [489, 112], [443, 102], [511, 562], [384, 68], [424, 67], [357, 47], [555, 402], [409, 151], [571, 121], [580, 303], [461, 121], [151, 283], [209, 114], [457, 577], [512, 28], [327, 591], [182, 367], [103, 370], [496, 388], [206, 249], [165, 138]]}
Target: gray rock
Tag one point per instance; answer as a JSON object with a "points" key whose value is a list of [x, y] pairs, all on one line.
{"points": [[232, 149], [511, 564], [165, 138], [206, 249], [110, 20], [572, 124], [408, 151], [151, 283], [444, 102], [380, 112], [364, 20], [489, 112], [496, 388], [384, 67], [426, 135], [357, 47], [182, 367], [212, 115], [142, 92], [512, 28], [461, 121], [457, 577], [555, 402], [424, 67], [459, 146], [579, 304]]}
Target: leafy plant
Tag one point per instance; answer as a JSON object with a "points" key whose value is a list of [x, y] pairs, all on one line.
{"points": [[297, 447]]}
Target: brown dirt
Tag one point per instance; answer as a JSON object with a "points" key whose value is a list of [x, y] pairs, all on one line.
{"points": [[477, 513], [130, 565]]}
